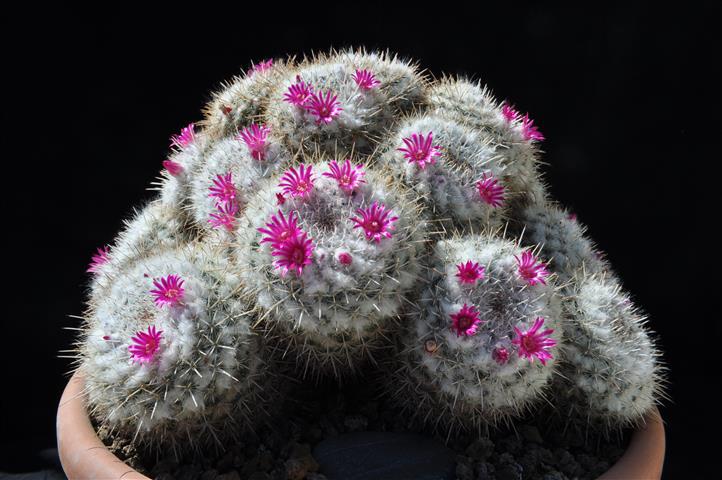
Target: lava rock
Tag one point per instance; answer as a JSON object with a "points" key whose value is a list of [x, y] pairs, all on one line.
{"points": [[384, 455]]}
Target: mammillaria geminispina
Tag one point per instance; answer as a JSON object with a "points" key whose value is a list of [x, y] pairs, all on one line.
{"points": [[330, 209]]}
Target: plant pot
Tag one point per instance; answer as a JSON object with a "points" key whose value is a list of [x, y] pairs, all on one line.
{"points": [[84, 456]]}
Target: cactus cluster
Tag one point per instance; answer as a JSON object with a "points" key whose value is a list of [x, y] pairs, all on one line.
{"points": [[330, 209]]}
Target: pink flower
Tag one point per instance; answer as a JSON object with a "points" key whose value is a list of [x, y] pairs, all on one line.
{"points": [[99, 259], [293, 254], [530, 270], [260, 66], [509, 113], [420, 150], [297, 183], [255, 137], [168, 290], [572, 217], [325, 108], [466, 321], [226, 216], [500, 355], [470, 272], [174, 168], [280, 199], [365, 79], [345, 258], [185, 138], [375, 221], [280, 229], [529, 131], [348, 176], [490, 190], [145, 345], [532, 344], [298, 93], [223, 188]]}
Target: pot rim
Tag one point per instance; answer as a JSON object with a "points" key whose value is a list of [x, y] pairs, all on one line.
{"points": [[83, 455]]}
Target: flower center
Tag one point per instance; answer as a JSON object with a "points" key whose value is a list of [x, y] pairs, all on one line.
{"points": [[374, 225], [420, 155], [529, 343], [302, 186], [298, 256], [465, 322]]}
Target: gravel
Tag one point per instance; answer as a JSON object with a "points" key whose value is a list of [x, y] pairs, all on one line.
{"points": [[531, 449]]}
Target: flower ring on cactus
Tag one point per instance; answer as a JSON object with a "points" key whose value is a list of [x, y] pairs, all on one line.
{"points": [[466, 321], [530, 269], [173, 167], [280, 229], [298, 93], [99, 259], [255, 138], [261, 66], [298, 183], [534, 344], [223, 189], [293, 254], [168, 290], [490, 190], [375, 221], [226, 215], [470, 272], [420, 149], [145, 345], [365, 79], [348, 176], [185, 138], [324, 107]]}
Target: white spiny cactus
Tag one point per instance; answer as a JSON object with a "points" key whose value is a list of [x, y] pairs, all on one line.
{"points": [[331, 208], [170, 359], [461, 362]]}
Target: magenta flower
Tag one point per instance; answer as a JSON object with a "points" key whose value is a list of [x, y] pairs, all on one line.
{"points": [[529, 131], [324, 108], [509, 113], [572, 217], [466, 321], [255, 137], [375, 221], [530, 270], [348, 176], [185, 138], [297, 183], [500, 355], [145, 345], [280, 199], [490, 190], [420, 150], [226, 216], [223, 188], [365, 79], [345, 258], [168, 290], [532, 344], [470, 272], [280, 229], [293, 254], [260, 66], [99, 259], [298, 93], [174, 168]]}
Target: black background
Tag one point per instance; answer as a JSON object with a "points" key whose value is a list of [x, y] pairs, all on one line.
{"points": [[624, 95]]}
